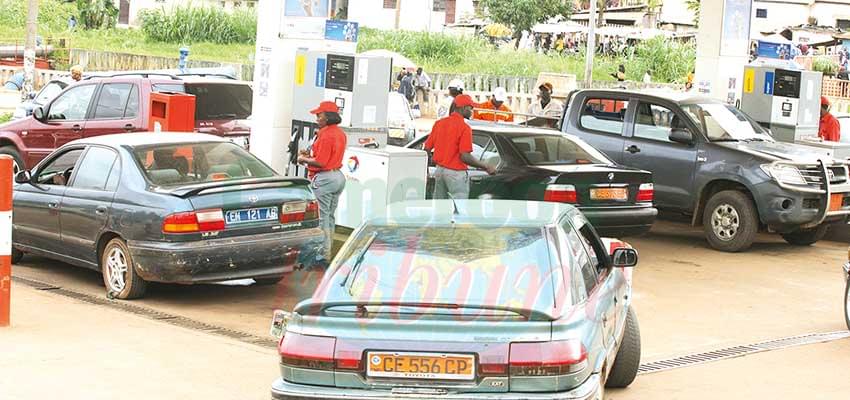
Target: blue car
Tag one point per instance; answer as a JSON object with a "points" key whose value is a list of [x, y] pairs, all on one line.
{"points": [[473, 299]]}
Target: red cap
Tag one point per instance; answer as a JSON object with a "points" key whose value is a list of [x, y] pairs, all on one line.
{"points": [[463, 101], [824, 101], [325, 106]]}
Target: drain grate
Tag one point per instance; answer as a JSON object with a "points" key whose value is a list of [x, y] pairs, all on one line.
{"points": [[149, 313], [740, 351]]}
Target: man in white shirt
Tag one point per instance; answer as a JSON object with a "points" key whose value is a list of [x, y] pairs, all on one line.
{"points": [[544, 106], [455, 89]]}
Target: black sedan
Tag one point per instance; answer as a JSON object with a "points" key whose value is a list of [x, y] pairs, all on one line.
{"points": [[539, 164], [164, 207]]}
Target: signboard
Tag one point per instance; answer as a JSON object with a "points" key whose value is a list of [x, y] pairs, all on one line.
{"points": [[768, 83], [735, 35], [302, 28], [320, 72], [779, 51], [306, 8], [343, 31]]}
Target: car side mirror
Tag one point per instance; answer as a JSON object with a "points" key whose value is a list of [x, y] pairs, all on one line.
{"points": [[682, 136], [624, 257], [23, 177], [38, 113]]}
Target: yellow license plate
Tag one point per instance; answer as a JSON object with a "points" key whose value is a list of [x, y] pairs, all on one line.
{"points": [[609, 194], [432, 366], [836, 200], [396, 133]]}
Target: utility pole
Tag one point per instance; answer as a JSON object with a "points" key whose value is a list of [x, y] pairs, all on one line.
{"points": [[397, 13], [591, 44], [29, 50]]}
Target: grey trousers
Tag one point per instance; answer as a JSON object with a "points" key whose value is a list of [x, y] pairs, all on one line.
{"points": [[327, 186], [450, 182]]}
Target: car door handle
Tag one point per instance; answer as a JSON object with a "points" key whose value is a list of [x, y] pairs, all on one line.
{"points": [[76, 128], [53, 205], [633, 149], [129, 127], [100, 210], [476, 178]]}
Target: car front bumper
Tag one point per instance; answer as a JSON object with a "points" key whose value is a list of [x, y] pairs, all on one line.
{"points": [[283, 390], [787, 210], [267, 255], [625, 221]]}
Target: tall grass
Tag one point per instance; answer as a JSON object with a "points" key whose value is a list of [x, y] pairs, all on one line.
{"points": [[187, 24], [669, 60], [53, 15]]}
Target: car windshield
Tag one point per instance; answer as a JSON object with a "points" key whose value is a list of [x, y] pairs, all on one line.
{"points": [[398, 109], [462, 264], [181, 164], [721, 122], [554, 149]]}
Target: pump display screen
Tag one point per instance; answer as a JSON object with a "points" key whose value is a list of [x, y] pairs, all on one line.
{"points": [[340, 72], [786, 84]]}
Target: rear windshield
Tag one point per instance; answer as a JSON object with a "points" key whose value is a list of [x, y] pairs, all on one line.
{"points": [[219, 100], [181, 164], [552, 149], [464, 265]]}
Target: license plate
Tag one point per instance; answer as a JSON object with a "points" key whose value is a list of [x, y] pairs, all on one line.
{"points": [[395, 133], [421, 366], [609, 194], [250, 215], [836, 200]]}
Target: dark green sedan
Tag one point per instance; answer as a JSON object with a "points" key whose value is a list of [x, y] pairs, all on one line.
{"points": [[164, 207]]}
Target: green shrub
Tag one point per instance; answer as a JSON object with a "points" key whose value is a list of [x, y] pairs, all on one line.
{"points": [[825, 65], [6, 117], [186, 24], [669, 60], [52, 17]]}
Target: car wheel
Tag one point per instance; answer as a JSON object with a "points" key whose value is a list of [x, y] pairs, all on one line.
{"points": [[17, 255], [628, 356], [847, 304], [268, 281], [806, 237], [18, 161], [119, 272], [730, 221]]}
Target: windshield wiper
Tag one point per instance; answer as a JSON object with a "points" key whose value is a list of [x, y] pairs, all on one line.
{"points": [[318, 308], [359, 259]]}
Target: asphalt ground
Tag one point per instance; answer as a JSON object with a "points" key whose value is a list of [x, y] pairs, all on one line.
{"points": [[689, 299]]}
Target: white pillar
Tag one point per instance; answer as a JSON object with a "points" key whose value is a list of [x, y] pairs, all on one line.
{"points": [[722, 47]]}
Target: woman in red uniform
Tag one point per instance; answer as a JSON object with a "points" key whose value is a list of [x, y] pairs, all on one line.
{"points": [[323, 166]]}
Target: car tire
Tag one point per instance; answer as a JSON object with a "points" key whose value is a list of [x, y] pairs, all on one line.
{"points": [[806, 237], [17, 255], [268, 281], [18, 160], [730, 221], [119, 272], [626, 364], [847, 304]]}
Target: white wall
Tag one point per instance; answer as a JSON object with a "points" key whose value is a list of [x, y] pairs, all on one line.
{"points": [[676, 11], [415, 15], [784, 13]]}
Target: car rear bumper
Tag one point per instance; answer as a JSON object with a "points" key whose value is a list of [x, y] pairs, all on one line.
{"points": [[256, 256], [616, 222], [283, 390]]}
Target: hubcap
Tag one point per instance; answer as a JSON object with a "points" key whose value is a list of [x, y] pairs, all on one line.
{"points": [[116, 269], [725, 222]]}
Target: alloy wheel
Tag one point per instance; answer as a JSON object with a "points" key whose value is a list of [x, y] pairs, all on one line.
{"points": [[116, 268], [725, 222]]}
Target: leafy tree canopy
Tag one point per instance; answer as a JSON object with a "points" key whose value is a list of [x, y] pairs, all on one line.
{"points": [[522, 15]]}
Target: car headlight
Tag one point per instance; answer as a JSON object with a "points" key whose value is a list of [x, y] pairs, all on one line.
{"points": [[784, 174]]}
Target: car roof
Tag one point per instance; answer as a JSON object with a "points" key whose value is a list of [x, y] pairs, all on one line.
{"points": [[485, 213], [137, 139], [511, 130], [666, 94]]}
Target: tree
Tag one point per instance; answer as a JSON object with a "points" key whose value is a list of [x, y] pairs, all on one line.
{"points": [[96, 14], [522, 15], [693, 5]]}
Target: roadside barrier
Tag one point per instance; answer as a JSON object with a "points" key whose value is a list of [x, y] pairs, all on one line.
{"points": [[5, 238]]}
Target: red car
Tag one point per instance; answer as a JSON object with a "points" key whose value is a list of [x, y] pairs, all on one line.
{"points": [[119, 103]]}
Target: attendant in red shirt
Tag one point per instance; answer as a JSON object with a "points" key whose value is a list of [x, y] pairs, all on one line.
{"points": [[829, 129], [451, 141], [323, 165]]}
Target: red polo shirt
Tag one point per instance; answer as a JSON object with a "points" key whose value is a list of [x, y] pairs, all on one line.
{"points": [[328, 149], [450, 137], [829, 129]]}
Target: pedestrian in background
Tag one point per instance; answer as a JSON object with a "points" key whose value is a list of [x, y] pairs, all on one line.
{"points": [[72, 23], [620, 75], [447, 104], [451, 142], [77, 73], [406, 86], [647, 76], [323, 166], [421, 84], [544, 106], [490, 110]]}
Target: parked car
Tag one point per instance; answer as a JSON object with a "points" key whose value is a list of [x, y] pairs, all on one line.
{"points": [[468, 299], [400, 120], [847, 290], [42, 97], [164, 207], [546, 165], [119, 103], [713, 162]]}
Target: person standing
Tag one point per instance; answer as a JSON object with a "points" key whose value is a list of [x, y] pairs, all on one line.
{"points": [[829, 129], [455, 89], [647, 76], [451, 142], [421, 84], [490, 110], [620, 75], [544, 106], [406, 86], [323, 166]]}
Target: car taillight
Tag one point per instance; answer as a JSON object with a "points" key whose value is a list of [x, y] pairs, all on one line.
{"points": [[195, 221], [561, 194], [297, 211], [646, 193], [314, 352], [547, 358]]}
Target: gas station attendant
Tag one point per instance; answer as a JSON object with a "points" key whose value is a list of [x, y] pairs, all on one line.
{"points": [[829, 127], [323, 168], [451, 141]]}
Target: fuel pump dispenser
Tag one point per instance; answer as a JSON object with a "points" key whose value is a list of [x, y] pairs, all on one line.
{"points": [[785, 101]]}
